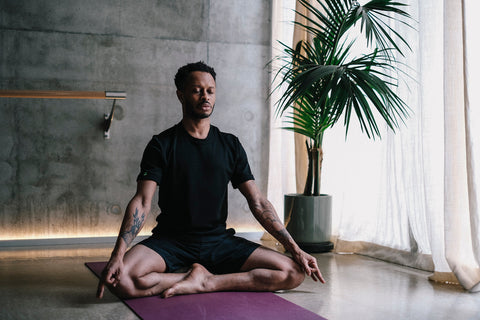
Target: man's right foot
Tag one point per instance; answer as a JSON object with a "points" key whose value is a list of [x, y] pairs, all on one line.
{"points": [[194, 282]]}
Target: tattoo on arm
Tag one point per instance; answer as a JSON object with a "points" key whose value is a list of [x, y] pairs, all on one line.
{"points": [[281, 234], [268, 218], [129, 235]]}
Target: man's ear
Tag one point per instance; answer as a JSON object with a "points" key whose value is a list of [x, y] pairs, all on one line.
{"points": [[180, 96]]}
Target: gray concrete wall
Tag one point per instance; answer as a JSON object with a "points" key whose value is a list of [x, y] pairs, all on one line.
{"points": [[58, 175]]}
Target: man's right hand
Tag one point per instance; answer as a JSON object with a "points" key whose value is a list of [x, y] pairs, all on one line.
{"points": [[110, 275]]}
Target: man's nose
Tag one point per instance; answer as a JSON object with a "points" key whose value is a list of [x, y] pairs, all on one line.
{"points": [[204, 95]]}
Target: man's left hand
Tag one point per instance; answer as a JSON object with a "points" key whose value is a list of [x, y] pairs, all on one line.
{"points": [[309, 265]]}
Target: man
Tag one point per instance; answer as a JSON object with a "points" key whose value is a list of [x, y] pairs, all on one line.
{"points": [[192, 163]]}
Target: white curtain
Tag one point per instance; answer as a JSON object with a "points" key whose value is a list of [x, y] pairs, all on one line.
{"points": [[281, 175], [412, 197], [461, 141]]}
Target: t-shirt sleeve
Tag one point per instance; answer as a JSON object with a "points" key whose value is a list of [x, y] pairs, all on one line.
{"points": [[151, 167], [242, 170]]}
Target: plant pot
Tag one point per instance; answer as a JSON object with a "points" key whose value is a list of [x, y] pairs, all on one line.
{"points": [[309, 221]]}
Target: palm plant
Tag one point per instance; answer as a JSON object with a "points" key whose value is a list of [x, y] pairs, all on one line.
{"points": [[325, 81]]}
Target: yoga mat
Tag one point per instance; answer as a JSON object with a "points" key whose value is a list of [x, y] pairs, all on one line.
{"points": [[215, 305]]}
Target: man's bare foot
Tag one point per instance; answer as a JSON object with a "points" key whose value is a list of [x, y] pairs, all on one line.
{"points": [[194, 282]]}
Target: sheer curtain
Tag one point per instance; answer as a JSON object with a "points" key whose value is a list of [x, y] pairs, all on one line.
{"points": [[281, 175], [412, 197], [461, 141]]}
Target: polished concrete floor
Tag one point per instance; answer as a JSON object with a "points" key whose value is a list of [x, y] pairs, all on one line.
{"points": [[53, 283]]}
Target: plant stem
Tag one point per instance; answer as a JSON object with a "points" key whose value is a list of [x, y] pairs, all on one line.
{"points": [[315, 159], [308, 183]]}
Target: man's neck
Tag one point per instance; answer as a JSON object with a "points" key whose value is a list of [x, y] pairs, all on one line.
{"points": [[197, 128]]}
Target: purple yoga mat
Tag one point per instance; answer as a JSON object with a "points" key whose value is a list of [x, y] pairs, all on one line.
{"points": [[216, 305]]}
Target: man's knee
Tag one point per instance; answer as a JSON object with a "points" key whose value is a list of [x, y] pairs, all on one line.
{"points": [[289, 276], [294, 275], [122, 291], [128, 286]]}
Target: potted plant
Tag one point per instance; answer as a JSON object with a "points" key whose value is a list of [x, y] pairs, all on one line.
{"points": [[325, 82]]}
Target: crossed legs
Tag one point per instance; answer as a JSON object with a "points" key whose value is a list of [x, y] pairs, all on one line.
{"points": [[265, 270]]}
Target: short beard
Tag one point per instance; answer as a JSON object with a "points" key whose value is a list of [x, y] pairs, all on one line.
{"points": [[198, 116]]}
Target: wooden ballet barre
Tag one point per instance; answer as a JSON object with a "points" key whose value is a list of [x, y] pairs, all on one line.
{"points": [[63, 94]]}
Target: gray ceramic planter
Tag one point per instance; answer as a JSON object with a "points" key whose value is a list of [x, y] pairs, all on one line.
{"points": [[309, 220]]}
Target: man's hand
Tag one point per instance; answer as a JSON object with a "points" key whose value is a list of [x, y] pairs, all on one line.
{"points": [[308, 264], [110, 275]]}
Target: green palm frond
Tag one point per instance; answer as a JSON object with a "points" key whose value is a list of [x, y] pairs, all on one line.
{"points": [[323, 81], [371, 15]]}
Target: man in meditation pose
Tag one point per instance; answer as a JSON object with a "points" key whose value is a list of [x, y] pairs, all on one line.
{"points": [[192, 164]]}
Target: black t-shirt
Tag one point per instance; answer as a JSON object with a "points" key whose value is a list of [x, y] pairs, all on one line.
{"points": [[193, 176]]}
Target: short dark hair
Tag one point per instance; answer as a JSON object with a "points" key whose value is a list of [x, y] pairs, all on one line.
{"points": [[184, 71]]}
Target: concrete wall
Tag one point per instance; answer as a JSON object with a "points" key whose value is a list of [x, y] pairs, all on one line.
{"points": [[58, 176]]}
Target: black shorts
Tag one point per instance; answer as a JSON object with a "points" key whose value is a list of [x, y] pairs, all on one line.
{"points": [[221, 254]]}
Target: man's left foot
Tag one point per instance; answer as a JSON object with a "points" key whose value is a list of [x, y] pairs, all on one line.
{"points": [[194, 282]]}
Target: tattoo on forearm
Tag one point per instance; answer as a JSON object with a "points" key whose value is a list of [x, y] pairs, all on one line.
{"points": [[269, 219], [129, 235], [281, 234], [268, 216]]}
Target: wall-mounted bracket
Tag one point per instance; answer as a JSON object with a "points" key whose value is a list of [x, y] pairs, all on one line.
{"points": [[107, 124], [108, 121]]}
